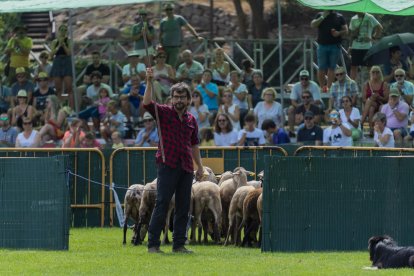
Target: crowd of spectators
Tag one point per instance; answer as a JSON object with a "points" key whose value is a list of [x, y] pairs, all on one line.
{"points": [[231, 107]]}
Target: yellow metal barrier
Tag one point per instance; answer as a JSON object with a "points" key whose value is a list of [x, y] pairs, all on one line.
{"points": [[355, 150], [36, 152]]}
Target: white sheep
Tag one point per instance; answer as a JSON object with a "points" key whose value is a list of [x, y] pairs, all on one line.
{"points": [[250, 216], [132, 202]]}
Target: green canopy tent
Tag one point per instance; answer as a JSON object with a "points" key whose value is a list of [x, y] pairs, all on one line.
{"points": [[392, 7]]}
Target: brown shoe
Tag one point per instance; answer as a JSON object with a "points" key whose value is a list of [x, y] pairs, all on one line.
{"points": [[182, 249], [155, 250]]}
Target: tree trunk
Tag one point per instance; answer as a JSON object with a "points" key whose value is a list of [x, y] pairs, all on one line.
{"points": [[242, 19], [259, 27]]}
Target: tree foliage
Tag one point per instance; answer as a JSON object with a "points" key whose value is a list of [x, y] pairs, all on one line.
{"points": [[7, 23]]}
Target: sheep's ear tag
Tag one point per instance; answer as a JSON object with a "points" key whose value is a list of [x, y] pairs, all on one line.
{"points": [[252, 174]]}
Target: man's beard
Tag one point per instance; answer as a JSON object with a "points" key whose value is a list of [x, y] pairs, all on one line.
{"points": [[180, 106]]}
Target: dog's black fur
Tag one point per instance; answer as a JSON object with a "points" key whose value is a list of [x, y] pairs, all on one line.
{"points": [[385, 253]]}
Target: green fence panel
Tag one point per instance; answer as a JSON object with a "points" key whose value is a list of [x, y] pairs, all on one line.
{"points": [[336, 203], [34, 205]]}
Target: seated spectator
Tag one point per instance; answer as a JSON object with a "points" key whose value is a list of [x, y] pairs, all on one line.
{"points": [[374, 94], [54, 122], [131, 97], [250, 135], [97, 65], [351, 116], [22, 83], [343, 86], [190, 70], [199, 110], [209, 91], [383, 136], [133, 67], [269, 108], [307, 106], [89, 141], [148, 136], [409, 138], [102, 101], [230, 109], [339, 134], [396, 112], [246, 76], [5, 97], [256, 89], [117, 142], [240, 97], [21, 110], [206, 137], [44, 66], [224, 134], [26, 138], [114, 121], [305, 84], [405, 88], [274, 135], [8, 133], [164, 76], [74, 136], [39, 97], [311, 134], [220, 68], [396, 62]]}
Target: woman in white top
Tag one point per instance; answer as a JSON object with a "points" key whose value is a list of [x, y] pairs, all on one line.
{"points": [[269, 108], [220, 68], [383, 136], [199, 110], [229, 108], [26, 138], [224, 134], [164, 76], [351, 115]]}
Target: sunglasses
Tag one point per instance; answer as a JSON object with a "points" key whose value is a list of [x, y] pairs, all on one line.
{"points": [[308, 118], [305, 97], [269, 95], [195, 95], [375, 72], [168, 9], [305, 79], [147, 120], [399, 76], [20, 76], [161, 56], [42, 79], [27, 123], [22, 97], [339, 74], [227, 95], [345, 101]]}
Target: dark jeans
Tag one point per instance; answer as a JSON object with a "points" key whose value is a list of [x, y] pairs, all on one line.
{"points": [[171, 181]]}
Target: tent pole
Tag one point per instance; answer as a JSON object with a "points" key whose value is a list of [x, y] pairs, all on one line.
{"points": [[280, 43], [74, 89]]}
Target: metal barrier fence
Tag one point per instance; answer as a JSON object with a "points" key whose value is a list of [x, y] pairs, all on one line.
{"points": [[129, 166], [87, 198], [351, 151]]}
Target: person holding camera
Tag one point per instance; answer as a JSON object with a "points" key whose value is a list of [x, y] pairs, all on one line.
{"points": [[339, 134]]}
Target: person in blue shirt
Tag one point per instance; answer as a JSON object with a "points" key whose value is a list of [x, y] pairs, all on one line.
{"points": [[131, 97], [148, 136], [273, 134], [209, 91]]}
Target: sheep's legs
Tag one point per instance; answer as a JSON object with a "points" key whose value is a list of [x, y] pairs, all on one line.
{"points": [[125, 230]]}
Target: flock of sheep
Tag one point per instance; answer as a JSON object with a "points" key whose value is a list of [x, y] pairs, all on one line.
{"points": [[221, 206]]}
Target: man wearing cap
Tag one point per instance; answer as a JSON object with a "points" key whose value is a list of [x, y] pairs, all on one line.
{"points": [[171, 36], [305, 84], [307, 105], [22, 83], [97, 65], [339, 134], [42, 92], [8, 133], [344, 86], [18, 48], [133, 67], [138, 30], [405, 88], [190, 70], [397, 115], [148, 136], [310, 134]]}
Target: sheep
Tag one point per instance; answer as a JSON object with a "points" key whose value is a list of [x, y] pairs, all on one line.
{"points": [[132, 202], [236, 213], [224, 176], [208, 175], [257, 183], [250, 215], [206, 197], [260, 211]]}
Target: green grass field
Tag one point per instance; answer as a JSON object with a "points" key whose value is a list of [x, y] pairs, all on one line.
{"points": [[100, 251]]}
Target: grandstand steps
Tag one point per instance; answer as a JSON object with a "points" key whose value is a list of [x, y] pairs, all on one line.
{"points": [[37, 24]]}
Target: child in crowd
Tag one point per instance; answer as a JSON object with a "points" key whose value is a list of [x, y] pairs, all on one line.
{"points": [[207, 137], [273, 134], [116, 140], [115, 121], [102, 102], [90, 141], [250, 135]]}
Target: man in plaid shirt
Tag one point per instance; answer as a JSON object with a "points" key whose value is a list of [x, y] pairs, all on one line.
{"points": [[179, 132]]}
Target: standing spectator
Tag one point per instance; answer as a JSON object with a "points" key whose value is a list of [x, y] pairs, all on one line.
{"points": [[6, 97], [363, 28], [374, 94], [171, 37], [8, 133], [115, 121], [405, 88], [344, 86], [269, 108], [22, 83], [220, 68], [338, 134], [224, 134], [62, 64], [141, 28], [44, 66], [250, 135], [209, 91], [133, 67], [351, 116], [74, 136], [396, 112], [18, 48], [148, 136], [97, 65], [199, 110], [331, 29], [26, 138], [102, 101], [230, 109], [273, 134], [310, 134], [21, 110], [395, 62], [383, 137], [176, 173], [240, 97], [164, 76], [256, 89], [190, 70]]}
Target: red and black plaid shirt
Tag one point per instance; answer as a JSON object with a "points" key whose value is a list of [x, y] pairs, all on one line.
{"points": [[178, 136]]}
